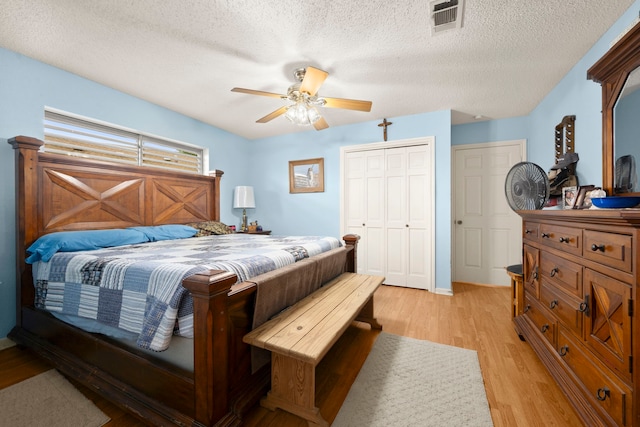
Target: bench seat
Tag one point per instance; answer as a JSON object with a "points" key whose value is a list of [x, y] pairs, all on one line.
{"points": [[300, 336]]}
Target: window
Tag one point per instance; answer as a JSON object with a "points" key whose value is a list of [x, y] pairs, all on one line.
{"points": [[64, 134]]}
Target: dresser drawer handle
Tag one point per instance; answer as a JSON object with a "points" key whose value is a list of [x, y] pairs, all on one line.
{"points": [[584, 306], [545, 235], [527, 308], [527, 231], [565, 240], [553, 271], [544, 328], [564, 350], [595, 247], [603, 393], [553, 304]]}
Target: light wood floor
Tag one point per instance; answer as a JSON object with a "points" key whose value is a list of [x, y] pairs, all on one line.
{"points": [[519, 389]]}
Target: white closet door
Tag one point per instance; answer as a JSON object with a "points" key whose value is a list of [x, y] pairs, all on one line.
{"points": [[374, 224], [388, 195], [354, 197], [419, 233], [397, 216]]}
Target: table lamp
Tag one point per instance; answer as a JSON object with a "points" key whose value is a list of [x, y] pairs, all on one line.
{"points": [[243, 198]]}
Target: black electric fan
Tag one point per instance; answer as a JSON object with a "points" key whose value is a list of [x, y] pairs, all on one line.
{"points": [[526, 187]]}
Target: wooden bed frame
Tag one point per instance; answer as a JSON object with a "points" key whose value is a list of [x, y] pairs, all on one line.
{"points": [[61, 193]]}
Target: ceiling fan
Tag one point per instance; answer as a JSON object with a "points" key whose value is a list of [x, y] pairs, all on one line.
{"points": [[305, 99]]}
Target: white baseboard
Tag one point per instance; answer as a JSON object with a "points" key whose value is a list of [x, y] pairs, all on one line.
{"points": [[6, 343], [443, 291]]}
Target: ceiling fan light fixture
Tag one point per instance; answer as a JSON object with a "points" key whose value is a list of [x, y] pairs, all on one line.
{"points": [[302, 114]]}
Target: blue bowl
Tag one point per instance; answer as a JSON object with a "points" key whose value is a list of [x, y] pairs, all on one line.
{"points": [[615, 202]]}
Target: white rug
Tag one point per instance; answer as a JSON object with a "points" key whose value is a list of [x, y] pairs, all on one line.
{"points": [[48, 400], [409, 382]]}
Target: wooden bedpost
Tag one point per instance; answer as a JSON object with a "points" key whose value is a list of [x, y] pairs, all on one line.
{"points": [[351, 241], [217, 174], [26, 152], [211, 345]]}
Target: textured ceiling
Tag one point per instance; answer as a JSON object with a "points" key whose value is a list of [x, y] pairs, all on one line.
{"points": [[186, 55]]}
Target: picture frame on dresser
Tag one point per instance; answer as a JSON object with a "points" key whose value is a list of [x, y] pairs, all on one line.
{"points": [[569, 197], [583, 200]]}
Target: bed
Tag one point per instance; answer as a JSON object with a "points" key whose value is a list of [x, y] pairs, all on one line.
{"points": [[225, 378]]}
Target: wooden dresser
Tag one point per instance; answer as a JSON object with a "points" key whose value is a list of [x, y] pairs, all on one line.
{"points": [[580, 288]]}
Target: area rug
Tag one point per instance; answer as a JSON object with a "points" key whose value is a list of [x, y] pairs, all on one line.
{"points": [[410, 382], [48, 400]]}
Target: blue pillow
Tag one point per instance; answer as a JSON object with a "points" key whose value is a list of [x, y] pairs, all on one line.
{"points": [[166, 232], [69, 241]]}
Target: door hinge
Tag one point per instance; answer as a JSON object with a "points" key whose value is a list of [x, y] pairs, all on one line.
{"points": [[630, 307]]}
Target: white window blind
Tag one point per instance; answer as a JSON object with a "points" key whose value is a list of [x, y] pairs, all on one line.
{"points": [[83, 138]]}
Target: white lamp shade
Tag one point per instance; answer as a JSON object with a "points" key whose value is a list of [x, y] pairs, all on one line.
{"points": [[243, 197]]}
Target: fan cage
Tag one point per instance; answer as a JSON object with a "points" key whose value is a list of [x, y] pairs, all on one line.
{"points": [[526, 187]]}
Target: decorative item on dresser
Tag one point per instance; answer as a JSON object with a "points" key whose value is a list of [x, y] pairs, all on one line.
{"points": [[581, 277]]}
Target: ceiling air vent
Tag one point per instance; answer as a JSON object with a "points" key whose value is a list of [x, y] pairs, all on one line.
{"points": [[445, 15]]}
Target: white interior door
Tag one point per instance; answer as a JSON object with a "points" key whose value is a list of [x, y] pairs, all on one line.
{"points": [[488, 234]]}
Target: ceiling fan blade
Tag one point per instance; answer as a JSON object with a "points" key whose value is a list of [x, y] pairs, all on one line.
{"points": [[320, 124], [348, 104], [313, 79], [257, 92], [280, 111]]}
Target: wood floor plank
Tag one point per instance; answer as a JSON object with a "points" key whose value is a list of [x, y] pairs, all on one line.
{"points": [[519, 389]]}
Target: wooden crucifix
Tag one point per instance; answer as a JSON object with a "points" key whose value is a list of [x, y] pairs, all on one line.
{"points": [[384, 125]]}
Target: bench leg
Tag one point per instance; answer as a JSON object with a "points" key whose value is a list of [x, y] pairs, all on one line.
{"points": [[366, 315], [293, 389]]}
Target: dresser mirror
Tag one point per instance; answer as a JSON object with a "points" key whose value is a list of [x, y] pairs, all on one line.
{"points": [[618, 71]]}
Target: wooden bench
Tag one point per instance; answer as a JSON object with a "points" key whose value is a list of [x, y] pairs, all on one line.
{"points": [[300, 336]]}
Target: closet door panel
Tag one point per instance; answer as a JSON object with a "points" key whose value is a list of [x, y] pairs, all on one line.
{"points": [[354, 197], [418, 225], [396, 216], [373, 236]]}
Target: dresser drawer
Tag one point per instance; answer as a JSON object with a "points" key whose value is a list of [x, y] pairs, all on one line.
{"points": [[565, 307], [611, 249], [531, 231], [561, 272], [567, 239], [608, 393], [543, 321]]}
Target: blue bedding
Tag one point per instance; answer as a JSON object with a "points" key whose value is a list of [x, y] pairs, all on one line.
{"points": [[138, 288]]}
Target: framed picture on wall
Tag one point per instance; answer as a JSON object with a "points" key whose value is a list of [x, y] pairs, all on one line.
{"points": [[306, 176]]}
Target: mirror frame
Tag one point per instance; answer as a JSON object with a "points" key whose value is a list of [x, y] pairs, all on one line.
{"points": [[611, 71]]}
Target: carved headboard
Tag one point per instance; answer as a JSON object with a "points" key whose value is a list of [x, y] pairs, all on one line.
{"points": [[60, 193]]}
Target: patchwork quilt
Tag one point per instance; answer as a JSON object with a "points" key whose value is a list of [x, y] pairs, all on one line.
{"points": [[138, 288]]}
